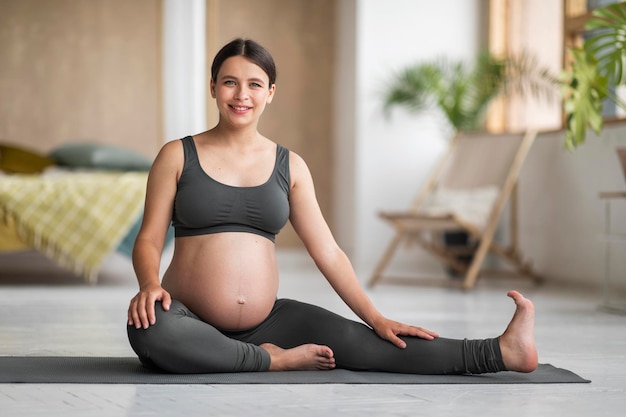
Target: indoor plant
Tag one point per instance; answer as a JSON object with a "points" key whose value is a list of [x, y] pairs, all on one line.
{"points": [[462, 90], [594, 68]]}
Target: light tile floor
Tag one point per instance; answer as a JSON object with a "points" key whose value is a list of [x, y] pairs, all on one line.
{"points": [[51, 313]]}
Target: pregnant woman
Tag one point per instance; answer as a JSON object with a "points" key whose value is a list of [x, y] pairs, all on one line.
{"points": [[228, 192]]}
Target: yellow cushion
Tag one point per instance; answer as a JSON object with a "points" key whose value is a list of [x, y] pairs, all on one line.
{"points": [[17, 160]]}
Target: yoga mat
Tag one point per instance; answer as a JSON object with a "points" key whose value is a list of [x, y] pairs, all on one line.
{"points": [[114, 370]]}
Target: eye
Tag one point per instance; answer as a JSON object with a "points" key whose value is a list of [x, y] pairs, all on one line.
{"points": [[255, 85], [229, 82]]}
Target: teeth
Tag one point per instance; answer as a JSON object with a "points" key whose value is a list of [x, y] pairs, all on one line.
{"points": [[240, 108]]}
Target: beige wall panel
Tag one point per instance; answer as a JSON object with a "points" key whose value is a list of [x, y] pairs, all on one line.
{"points": [[81, 70], [300, 36]]}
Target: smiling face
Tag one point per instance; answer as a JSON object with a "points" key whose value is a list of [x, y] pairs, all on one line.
{"points": [[241, 91]]}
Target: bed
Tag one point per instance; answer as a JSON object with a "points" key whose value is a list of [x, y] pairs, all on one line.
{"points": [[75, 205]]}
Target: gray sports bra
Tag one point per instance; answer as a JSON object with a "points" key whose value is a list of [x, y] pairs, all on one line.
{"points": [[203, 205]]}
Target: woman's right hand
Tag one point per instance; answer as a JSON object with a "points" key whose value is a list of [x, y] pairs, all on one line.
{"points": [[141, 310]]}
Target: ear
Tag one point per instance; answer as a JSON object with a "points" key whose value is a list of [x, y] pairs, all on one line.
{"points": [[270, 96], [212, 88]]}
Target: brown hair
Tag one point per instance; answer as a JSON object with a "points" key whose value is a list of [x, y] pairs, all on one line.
{"points": [[249, 49]]}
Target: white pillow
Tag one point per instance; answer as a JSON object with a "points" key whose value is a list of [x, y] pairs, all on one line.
{"points": [[472, 205]]}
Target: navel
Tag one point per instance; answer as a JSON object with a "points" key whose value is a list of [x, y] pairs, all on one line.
{"points": [[241, 300]]}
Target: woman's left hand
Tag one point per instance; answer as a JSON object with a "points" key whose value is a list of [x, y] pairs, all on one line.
{"points": [[390, 330]]}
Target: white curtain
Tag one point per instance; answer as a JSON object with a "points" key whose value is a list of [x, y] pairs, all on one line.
{"points": [[184, 68]]}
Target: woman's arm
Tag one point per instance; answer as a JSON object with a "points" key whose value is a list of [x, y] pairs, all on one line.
{"points": [[308, 222], [160, 192]]}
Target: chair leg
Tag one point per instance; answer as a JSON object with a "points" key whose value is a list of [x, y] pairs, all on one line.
{"points": [[384, 261], [474, 269], [512, 255]]}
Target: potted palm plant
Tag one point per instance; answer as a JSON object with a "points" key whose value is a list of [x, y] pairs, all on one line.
{"points": [[462, 92]]}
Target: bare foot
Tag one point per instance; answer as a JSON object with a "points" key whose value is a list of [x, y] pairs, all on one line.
{"points": [[517, 343], [300, 358]]}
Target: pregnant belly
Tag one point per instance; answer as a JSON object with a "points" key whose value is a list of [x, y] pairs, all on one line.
{"points": [[228, 280], [230, 311]]}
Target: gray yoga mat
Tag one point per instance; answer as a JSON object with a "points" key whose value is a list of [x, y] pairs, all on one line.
{"points": [[114, 370]]}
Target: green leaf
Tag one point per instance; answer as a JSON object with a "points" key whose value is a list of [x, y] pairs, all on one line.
{"points": [[608, 42], [585, 89]]}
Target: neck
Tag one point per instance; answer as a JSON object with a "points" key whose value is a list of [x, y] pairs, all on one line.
{"points": [[245, 136]]}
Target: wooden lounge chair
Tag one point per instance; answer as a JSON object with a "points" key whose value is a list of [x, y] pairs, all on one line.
{"points": [[468, 191]]}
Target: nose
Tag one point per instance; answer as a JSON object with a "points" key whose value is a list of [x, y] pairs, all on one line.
{"points": [[241, 93]]}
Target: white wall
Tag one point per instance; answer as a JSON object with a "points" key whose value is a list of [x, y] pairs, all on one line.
{"points": [[561, 216], [389, 159]]}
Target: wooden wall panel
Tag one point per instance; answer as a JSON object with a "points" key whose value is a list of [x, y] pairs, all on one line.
{"points": [[81, 70]]}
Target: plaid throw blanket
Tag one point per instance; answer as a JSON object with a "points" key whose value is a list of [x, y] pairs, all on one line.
{"points": [[76, 219]]}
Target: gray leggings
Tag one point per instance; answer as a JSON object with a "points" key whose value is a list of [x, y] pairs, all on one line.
{"points": [[180, 342]]}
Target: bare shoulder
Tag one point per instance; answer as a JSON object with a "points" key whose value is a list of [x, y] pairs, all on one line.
{"points": [[171, 156], [172, 149], [301, 177], [297, 166]]}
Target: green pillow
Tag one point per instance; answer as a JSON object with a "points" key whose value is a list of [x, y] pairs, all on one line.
{"points": [[100, 156], [18, 160]]}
